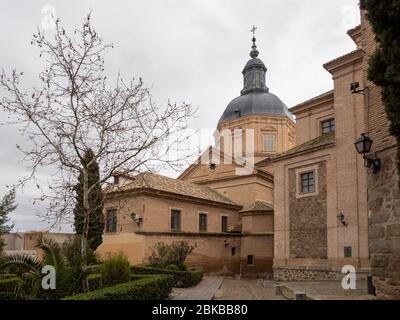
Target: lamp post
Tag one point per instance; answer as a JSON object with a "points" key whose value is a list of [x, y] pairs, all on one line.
{"points": [[363, 146]]}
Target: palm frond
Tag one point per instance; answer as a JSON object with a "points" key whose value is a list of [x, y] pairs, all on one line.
{"points": [[52, 253], [20, 263]]}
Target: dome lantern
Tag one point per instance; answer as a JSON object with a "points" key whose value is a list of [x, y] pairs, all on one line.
{"points": [[254, 72], [255, 98]]}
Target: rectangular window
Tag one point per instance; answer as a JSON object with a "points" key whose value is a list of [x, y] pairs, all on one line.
{"points": [[233, 251], [111, 220], [328, 126], [202, 222], [269, 142], [175, 220], [258, 80], [224, 224], [250, 260], [307, 182], [348, 252]]}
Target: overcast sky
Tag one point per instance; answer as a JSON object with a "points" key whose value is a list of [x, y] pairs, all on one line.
{"points": [[187, 50]]}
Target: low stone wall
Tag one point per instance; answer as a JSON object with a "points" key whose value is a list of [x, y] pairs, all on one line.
{"points": [[305, 274]]}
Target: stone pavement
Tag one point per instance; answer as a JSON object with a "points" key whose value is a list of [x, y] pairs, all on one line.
{"points": [[246, 289], [205, 290], [220, 288], [329, 290]]}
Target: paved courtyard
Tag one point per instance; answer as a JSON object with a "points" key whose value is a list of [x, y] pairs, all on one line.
{"points": [[330, 290], [205, 290], [245, 289], [220, 288]]}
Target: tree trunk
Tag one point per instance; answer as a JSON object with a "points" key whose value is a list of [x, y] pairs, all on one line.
{"points": [[86, 219], [86, 214]]}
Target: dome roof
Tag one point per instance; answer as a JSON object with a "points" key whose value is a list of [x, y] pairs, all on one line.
{"points": [[255, 97], [255, 104], [253, 63]]}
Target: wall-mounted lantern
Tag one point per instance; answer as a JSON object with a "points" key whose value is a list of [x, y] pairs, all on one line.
{"points": [[354, 87], [363, 146], [341, 219]]}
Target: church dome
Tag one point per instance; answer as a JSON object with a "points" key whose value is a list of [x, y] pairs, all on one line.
{"points": [[255, 97], [256, 103]]}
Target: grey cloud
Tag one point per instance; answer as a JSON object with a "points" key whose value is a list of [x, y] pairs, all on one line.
{"points": [[187, 50]]}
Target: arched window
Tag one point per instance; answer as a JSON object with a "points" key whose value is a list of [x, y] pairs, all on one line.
{"points": [[258, 80]]}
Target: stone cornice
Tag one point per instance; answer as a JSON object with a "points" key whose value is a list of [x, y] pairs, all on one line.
{"points": [[188, 234], [349, 58], [314, 102]]}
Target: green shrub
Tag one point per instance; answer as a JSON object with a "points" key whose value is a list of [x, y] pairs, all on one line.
{"points": [[182, 279], [164, 255], [71, 249], [172, 267], [148, 288], [115, 270], [95, 281]]}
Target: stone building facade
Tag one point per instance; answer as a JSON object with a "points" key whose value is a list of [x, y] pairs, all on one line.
{"points": [[383, 186], [301, 204], [320, 191], [225, 183], [25, 242]]}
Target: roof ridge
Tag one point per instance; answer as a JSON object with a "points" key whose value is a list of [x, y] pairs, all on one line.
{"points": [[319, 141]]}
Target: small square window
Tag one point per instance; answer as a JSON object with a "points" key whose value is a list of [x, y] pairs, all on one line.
{"points": [[175, 220], [269, 142], [307, 182], [328, 126], [250, 260], [348, 252]]}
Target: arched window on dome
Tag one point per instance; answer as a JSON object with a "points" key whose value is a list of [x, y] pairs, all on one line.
{"points": [[258, 80]]}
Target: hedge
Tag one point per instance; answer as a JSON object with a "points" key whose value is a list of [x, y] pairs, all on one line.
{"points": [[182, 279], [148, 288], [94, 281]]}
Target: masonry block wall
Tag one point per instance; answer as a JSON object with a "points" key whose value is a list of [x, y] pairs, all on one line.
{"points": [[383, 187], [308, 232]]}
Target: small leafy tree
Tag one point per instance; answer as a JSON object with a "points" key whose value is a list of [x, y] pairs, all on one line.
{"points": [[115, 269], [71, 250], [96, 219], [7, 205], [164, 255]]}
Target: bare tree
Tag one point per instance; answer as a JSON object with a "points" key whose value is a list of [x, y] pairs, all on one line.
{"points": [[74, 109]]}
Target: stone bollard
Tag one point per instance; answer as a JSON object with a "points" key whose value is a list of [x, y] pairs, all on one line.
{"points": [[278, 290], [300, 296]]}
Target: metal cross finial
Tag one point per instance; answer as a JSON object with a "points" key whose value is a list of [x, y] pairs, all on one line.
{"points": [[254, 31]]}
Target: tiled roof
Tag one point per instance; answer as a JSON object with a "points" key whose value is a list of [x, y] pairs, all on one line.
{"points": [[157, 182], [320, 141], [259, 205]]}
